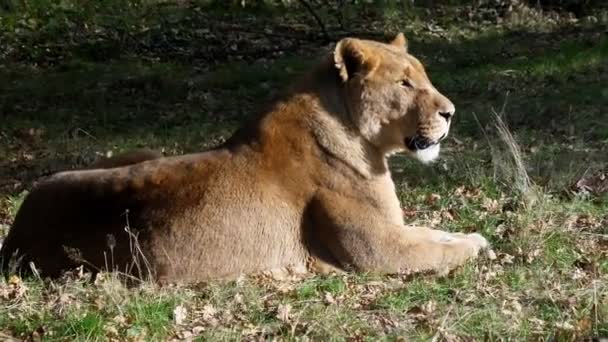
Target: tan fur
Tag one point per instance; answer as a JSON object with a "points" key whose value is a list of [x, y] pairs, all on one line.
{"points": [[307, 183]]}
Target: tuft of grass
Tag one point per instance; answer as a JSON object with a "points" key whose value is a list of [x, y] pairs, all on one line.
{"points": [[84, 327], [152, 317]]}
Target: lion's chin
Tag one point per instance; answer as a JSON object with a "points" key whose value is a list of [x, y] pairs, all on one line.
{"points": [[428, 154]]}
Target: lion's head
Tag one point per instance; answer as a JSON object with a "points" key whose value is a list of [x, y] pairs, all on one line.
{"points": [[391, 99]]}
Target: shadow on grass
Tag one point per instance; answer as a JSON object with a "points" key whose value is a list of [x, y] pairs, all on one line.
{"points": [[151, 97]]}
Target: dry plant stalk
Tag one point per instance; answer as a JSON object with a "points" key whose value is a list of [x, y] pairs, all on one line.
{"points": [[514, 158], [508, 160]]}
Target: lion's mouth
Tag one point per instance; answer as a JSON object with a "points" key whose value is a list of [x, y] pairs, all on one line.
{"points": [[418, 143]]}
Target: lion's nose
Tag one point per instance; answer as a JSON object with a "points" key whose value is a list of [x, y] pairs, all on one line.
{"points": [[445, 108], [447, 115]]}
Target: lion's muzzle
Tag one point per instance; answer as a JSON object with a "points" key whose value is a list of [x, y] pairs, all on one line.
{"points": [[419, 142]]}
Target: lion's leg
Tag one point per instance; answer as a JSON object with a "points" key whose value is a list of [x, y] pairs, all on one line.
{"points": [[439, 250], [357, 235]]}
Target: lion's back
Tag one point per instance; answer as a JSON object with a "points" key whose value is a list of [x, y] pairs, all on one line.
{"points": [[194, 216], [86, 212]]}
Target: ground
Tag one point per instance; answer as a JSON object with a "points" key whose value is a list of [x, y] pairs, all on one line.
{"points": [[525, 165]]}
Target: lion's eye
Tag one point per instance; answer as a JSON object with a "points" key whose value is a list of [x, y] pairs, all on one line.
{"points": [[406, 84]]}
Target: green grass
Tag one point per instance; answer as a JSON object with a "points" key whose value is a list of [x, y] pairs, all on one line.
{"points": [[87, 327], [152, 75], [75, 309]]}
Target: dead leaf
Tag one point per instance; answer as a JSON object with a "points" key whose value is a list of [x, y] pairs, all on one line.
{"points": [[120, 320], [238, 298], [423, 312], [584, 325], [504, 258], [283, 312], [490, 205], [38, 334], [504, 231], [490, 254], [197, 330], [208, 311], [467, 192], [409, 212], [180, 313], [595, 184], [564, 326], [429, 307], [516, 305], [14, 289], [582, 222], [578, 274], [110, 330], [14, 280], [432, 198], [531, 256], [328, 298], [447, 215], [185, 335], [537, 324]]}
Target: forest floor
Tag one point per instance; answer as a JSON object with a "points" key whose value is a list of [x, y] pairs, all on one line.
{"points": [[77, 82]]}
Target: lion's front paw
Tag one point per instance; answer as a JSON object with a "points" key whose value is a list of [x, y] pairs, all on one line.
{"points": [[479, 241], [476, 241], [462, 248], [480, 244]]}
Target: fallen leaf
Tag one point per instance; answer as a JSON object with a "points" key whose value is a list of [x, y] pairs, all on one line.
{"points": [[490, 205], [564, 326], [505, 258], [578, 274], [596, 184], [238, 298], [432, 198], [283, 312], [409, 213], [328, 298], [14, 289], [584, 325], [180, 313], [490, 254], [537, 323], [208, 314], [14, 280]]}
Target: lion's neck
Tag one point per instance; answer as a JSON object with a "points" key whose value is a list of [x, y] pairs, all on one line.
{"points": [[333, 128], [317, 106], [342, 143]]}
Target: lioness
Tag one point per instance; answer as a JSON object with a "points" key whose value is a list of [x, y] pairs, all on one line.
{"points": [[305, 185]]}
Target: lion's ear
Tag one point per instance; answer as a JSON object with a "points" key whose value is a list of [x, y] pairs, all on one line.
{"points": [[400, 41], [351, 57]]}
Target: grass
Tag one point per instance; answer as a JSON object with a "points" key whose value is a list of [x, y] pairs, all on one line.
{"points": [[154, 75]]}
